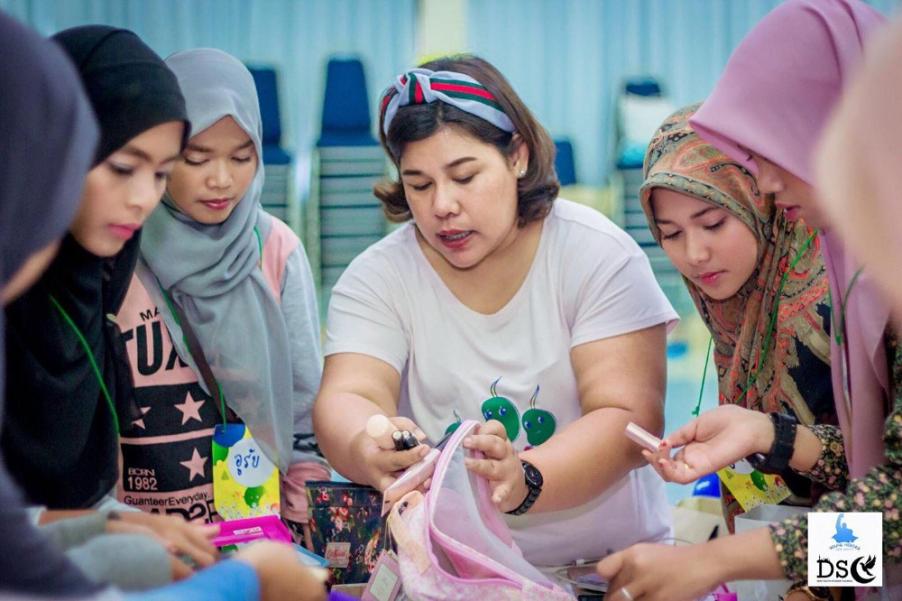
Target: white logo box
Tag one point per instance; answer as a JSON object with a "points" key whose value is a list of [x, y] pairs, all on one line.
{"points": [[845, 549]]}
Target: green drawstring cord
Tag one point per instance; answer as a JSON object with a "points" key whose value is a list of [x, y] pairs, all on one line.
{"points": [[701, 389], [775, 313], [771, 328], [839, 331]]}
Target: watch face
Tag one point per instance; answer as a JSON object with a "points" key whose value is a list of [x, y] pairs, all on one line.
{"points": [[533, 475]]}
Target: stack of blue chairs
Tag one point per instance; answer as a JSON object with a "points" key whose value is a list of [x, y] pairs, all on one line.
{"points": [[564, 163], [276, 197], [647, 92], [347, 217]]}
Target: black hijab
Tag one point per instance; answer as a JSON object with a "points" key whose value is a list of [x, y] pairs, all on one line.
{"points": [[47, 140], [60, 440]]}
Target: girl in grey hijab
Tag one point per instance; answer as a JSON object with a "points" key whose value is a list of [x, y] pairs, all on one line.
{"points": [[211, 257]]}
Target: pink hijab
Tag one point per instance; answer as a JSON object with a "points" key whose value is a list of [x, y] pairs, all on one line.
{"points": [[858, 163], [775, 98]]}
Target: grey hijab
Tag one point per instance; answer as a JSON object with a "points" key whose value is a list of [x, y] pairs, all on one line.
{"points": [[212, 271]]}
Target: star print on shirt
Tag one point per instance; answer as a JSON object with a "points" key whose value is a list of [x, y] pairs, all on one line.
{"points": [[195, 465], [140, 421], [190, 409]]}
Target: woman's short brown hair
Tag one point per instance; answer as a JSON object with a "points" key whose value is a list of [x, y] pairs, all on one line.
{"points": [[536, 190]]}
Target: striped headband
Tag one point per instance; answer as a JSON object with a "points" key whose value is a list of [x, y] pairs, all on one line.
{"points": [[422, 86]]}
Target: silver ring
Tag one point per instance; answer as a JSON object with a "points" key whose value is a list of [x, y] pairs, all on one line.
{"points": [[626, 594]]}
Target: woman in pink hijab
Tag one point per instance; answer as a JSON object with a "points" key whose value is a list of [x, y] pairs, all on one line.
{"points": [[768, 111], [859, 161]]}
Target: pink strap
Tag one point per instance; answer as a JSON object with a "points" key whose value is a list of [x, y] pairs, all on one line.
{"points": [[402, 534], [294, 489], [278, 246]]}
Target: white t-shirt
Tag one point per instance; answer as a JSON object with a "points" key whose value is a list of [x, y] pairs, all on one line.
{"points": [[588, 281]]}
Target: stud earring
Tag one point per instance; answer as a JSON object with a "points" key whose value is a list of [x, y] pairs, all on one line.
{"points": [[522, 173]]}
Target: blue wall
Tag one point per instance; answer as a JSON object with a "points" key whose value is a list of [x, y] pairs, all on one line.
{"points": [[296, 35], [567, 58]]}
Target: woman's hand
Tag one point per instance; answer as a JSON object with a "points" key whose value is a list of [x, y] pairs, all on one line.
{"points": [[180, 537], [282, 576], [649, 572], [116, 525], [382, 467], [714, 440], [658, 573], [501, 466]]}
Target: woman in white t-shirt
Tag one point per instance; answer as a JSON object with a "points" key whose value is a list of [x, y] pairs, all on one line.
{"points": [[498, 301]]}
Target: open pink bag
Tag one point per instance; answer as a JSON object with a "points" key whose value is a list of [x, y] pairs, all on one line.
{"points": [[453, 543]]}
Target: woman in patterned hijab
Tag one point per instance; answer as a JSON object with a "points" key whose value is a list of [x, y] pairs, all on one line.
{"points": [[766, 304]]}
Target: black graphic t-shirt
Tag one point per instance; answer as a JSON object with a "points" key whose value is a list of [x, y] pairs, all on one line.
{"points": [[165, 455]]}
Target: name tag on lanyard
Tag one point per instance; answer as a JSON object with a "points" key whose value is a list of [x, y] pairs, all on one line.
{"points": [[751, 487], [245, 481]]}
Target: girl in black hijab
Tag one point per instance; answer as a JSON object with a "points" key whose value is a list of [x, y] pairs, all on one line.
{"points": [[69, 385]]}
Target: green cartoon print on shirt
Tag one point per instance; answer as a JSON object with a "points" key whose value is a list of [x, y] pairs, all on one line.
{"points": [[502, 409], [455, 424], [538, 424]]}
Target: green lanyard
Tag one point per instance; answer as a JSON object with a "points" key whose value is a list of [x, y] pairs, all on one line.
{"points": [[175, 316], [701, 389], [91, 359], [839, 332], [771, 328]]}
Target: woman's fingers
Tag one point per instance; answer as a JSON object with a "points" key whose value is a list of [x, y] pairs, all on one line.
{"points": [[487, 468], [385, 481], [180, 569], [179, 536], [200, 554], [501, 493], [404, 423], [396, 461], [489, 445], [676, 472], [494, 428], [198, 541], [390, 464], [683, 436]]}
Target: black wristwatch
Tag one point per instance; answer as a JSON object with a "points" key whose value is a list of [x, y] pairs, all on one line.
{"points": [[534, 482], [777, 460]]}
